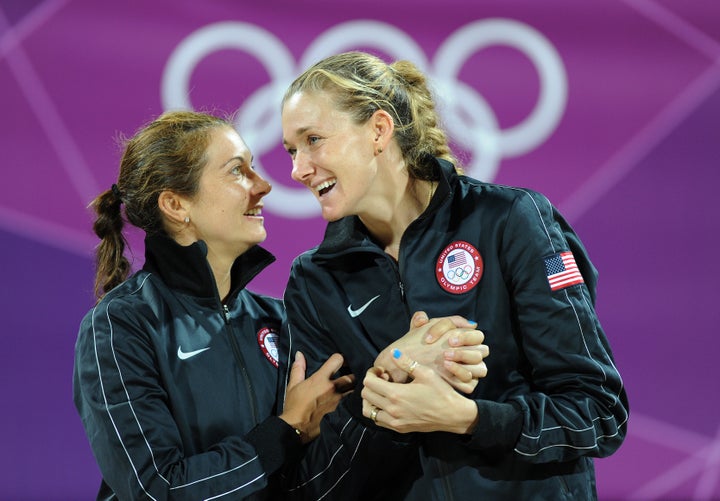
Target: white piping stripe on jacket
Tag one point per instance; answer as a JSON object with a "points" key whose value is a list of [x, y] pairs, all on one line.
{"points": [[349, 468], [332, 458], [582, 334], [102, 388], [129, 403], [237, 488]]}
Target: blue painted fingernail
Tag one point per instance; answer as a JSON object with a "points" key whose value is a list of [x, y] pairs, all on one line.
{"points": [[396, 353], [472, 322]]}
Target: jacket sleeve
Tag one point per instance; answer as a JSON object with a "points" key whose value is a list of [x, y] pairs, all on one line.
{"points": [[121, 398], [576, 404], [341, 460]]}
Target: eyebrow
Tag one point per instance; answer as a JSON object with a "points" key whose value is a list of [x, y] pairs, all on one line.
{"points": [[299, 132], [241, 159]]}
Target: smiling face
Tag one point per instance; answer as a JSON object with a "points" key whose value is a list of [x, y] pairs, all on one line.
{"points": [[331, 154], [226, 211]]}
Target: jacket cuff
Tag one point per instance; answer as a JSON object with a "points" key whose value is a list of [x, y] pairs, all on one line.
{"points": [[275, 442], [499, 426]]}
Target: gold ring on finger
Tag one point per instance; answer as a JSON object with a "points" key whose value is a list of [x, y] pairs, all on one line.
{"points": [[373, 414], [412, 367]]}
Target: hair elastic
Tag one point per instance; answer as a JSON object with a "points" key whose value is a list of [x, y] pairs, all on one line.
{"points": [[116, 192]]}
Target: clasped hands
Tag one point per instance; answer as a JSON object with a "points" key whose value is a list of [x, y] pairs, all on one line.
{"points": [[437, 357]]}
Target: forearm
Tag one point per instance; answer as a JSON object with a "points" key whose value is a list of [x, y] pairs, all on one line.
{"points": [[234, 464]]}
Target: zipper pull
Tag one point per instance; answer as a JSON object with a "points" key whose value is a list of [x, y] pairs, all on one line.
{"points": [[227, 312], [402, 290]]}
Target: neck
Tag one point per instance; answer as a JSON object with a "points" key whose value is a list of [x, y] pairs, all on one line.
{"points": [[388, 224], [220, 263], [221, 270], [223, 285]]}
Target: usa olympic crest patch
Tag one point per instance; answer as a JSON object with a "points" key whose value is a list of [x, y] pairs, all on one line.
{"points": [[459, 267], [268, 339]]}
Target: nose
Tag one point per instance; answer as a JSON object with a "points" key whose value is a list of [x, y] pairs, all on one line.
{"points": [[302, 169], [261, 186]]}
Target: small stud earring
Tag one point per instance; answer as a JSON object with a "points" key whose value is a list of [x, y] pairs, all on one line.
{"points": [[379, 150], [187, 219]]}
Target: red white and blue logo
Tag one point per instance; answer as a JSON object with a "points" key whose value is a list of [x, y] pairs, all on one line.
{"points": [[268, 340], [562, 271], [459, 267]]}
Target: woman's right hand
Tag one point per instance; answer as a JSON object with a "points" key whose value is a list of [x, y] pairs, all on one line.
{"points": [[428, 403], [458, 357], [307, 400]]}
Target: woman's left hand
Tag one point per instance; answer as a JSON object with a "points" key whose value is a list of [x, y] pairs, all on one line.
{"points": [[427, 403], [307, 400], [450, 345]]}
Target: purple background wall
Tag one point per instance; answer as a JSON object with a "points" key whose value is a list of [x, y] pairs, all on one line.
{"points": [[610, 107]]}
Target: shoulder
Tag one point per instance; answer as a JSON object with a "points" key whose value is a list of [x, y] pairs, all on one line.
{"points": [[133, 298], [498, 192], [501, 198], [304, 259], [262, 304], [124, 319]]}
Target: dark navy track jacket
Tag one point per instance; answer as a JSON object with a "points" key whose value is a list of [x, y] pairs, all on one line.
{"points": [[178, 392], [501, 256]]}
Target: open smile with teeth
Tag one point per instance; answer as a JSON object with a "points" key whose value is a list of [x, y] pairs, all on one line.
{"points": [[325, 186], [254, 212]]}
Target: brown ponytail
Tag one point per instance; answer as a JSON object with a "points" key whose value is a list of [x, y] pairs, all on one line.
{"points": [[112, 267]]}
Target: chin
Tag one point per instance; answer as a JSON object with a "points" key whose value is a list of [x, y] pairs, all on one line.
{"points": [[331, 216], [261, 238], [255, 239]]}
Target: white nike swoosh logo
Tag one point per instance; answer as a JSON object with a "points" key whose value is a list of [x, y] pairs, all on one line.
{"points": [[184, 355], [355, 313]]}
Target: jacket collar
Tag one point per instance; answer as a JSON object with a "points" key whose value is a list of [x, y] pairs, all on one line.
{"points": [[186, 267], [349, 231]]}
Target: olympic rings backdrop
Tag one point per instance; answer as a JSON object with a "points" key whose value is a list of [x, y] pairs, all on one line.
{"points": [[609, 107]]}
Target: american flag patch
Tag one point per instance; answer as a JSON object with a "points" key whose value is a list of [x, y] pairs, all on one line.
{"points": [[457, 259], [562, 271]]}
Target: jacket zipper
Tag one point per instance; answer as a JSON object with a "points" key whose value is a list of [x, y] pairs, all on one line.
{"points": [[241, 361], [445, 482], [401, 284]]}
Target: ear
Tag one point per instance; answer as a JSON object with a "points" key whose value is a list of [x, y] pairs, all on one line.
{"points": [[173, 207], [383, 127]]}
